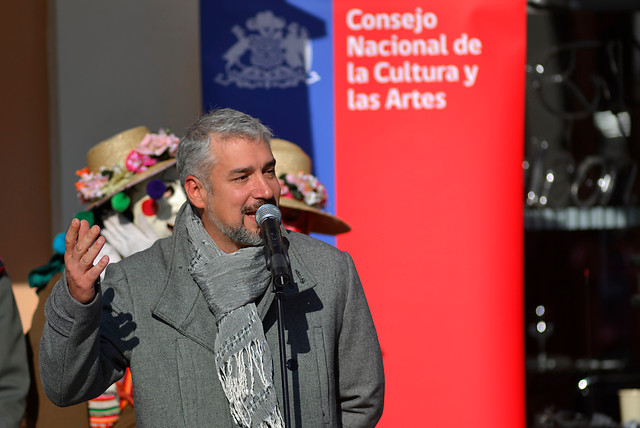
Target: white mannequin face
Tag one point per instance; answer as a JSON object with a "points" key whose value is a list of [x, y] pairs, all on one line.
{"points": [[168, 205]]}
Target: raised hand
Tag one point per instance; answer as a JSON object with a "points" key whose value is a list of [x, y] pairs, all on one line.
{"points": [[82, 245]]}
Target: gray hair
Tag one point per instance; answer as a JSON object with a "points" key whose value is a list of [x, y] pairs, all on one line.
{"points": [[194, 151]]}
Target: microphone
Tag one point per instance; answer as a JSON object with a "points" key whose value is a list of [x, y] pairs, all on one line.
{"points": [[268, 218]]}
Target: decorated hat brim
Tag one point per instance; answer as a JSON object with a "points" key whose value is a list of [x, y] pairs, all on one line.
{"points": [[133, 180], [320, 221]]}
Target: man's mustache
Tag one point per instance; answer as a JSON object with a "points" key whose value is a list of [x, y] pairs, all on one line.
{"points": [[255, 207]]}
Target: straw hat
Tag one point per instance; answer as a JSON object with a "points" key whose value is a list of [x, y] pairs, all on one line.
{"points": [[97, 187], [291, 159]]}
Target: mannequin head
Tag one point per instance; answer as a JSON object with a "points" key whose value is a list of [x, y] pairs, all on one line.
{"points": [[158, 213]]}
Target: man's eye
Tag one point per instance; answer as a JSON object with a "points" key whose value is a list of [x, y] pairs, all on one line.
{"points": [[241, 178], [271, 172]]}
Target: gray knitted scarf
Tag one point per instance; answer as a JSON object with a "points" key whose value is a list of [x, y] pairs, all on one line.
{"points": [[231, 283]]}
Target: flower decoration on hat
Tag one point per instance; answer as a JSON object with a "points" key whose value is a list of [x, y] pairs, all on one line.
{"points": [[303, 197], [305, 188], [152, 149], [137, 162]]}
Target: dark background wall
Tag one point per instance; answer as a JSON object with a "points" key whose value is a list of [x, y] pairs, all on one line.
{"points": [[25, 207], [73, 74]]}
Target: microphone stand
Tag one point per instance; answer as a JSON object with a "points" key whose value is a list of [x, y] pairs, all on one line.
{"points": [[279, 283], [268, 218]]}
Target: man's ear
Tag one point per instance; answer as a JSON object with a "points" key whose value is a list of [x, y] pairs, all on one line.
{"points": [[196, 192]]}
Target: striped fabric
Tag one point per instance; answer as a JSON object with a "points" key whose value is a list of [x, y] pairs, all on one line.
{"points": [[104, 410]]}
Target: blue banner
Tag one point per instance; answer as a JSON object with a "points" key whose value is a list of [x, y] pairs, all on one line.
{"points": [[273, 60]]}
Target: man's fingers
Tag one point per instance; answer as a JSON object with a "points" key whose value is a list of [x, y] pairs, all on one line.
{"points": [[82, 287], [84, 226], [80, 255], [86, 236], [79, 237], [71, 237], [93, 251], [86, 240], [79, 249], [82, 245], [96, 270]]}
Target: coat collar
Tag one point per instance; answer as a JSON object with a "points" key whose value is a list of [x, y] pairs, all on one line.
{"points": [[181, 303]]}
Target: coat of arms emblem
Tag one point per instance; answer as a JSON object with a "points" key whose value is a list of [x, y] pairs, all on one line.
{"points": [[268, 54]]}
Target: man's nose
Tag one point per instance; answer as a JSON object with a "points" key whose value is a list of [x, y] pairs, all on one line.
{"points": [[262, 188]]}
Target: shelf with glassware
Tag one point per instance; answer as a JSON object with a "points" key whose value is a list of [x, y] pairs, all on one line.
{"points": [[581, 167], [581, 209], [579, 218], [594, 194]]}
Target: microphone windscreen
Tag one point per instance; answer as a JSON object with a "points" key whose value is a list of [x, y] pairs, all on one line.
{"points": [[267, 211]]}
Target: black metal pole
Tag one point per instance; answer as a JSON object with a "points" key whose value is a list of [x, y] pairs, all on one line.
{"points": [[283, 356], [276, 256]]}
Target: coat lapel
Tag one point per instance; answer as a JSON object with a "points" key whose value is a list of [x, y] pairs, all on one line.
{"points": [[181, 304]]}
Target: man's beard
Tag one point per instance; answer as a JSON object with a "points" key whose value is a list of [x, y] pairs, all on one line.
{"points": [[239, 234]]}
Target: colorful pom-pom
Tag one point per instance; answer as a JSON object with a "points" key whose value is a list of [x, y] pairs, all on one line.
{"points": [[86, 215], [58, 243], [149, 207], [120, 202], [156, 188]]}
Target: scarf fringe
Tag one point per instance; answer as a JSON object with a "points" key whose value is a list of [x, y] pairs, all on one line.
{"points": [[274, 420], [238, 376]]}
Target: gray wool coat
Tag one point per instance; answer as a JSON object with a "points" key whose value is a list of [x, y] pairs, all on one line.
{"points": [[14, 367], [150, 315]]}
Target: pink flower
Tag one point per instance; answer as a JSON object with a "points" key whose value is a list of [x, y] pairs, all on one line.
{"points": [[137, 162], [157, 144], [304, 187], [284, 190], [90, 185]]}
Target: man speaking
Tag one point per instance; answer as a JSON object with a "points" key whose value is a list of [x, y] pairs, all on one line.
{"points": [[194, 316]]}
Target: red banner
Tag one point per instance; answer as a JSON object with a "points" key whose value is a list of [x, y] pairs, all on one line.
{"points": [[429, 112]]}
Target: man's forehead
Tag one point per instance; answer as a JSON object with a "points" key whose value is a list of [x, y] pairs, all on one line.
{"points": [[230, 142], [226, 138], [233, 152]]}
